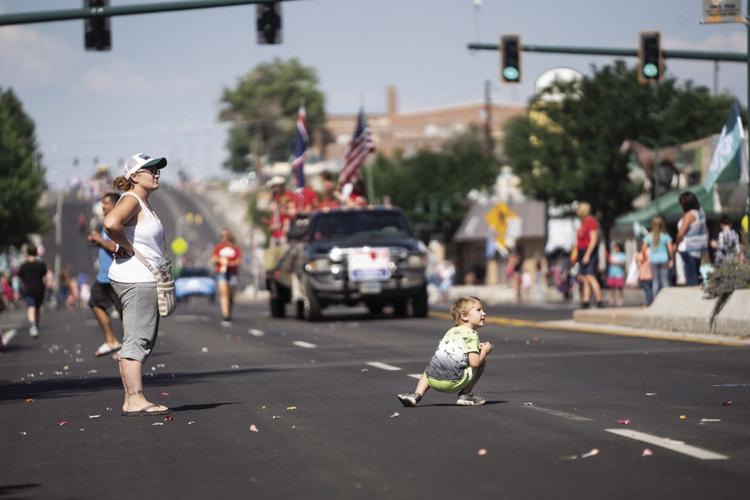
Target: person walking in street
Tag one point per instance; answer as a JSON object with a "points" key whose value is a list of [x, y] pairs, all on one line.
{"points": [[661, 254], [459, 360], [692, 236], [31, 274], [226, 258], [727, 244], [103, 296], [587, 241], [134, 226]]}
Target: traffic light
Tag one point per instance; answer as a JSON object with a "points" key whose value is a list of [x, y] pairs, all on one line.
{"points": [[510, 58], [650, 58], [268, 21], [96, 29]]}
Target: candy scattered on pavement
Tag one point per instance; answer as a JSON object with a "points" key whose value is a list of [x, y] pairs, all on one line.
{"points": [[165, 394], [168, 418], [651, 393], [29, 401], [647, 452], [291, 408], [191, 422], [95, 416], [157, 423], [683, 417], [396, 414], [528, 403], [481, 452], [253, 428], [624, 421], [705, 420], [727, 403], [61, 422], [591, 453], [204, 349]]}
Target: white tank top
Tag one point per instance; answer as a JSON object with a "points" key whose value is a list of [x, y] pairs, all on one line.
{"points": [[147, 236]]}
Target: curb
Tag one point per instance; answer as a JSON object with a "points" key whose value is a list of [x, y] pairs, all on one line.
{"points": [[622, 331]]}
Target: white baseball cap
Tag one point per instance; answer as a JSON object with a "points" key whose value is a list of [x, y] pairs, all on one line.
{"points": [[276, 180], [142, 160]]}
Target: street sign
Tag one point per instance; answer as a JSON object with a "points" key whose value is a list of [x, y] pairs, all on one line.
{"points": [[499, 218], [722, 11]]}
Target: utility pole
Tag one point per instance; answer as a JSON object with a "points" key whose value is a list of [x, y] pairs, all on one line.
{"points": [[489, 142]]}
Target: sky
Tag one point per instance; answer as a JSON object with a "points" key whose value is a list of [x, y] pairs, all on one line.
{"points": [[159, 89]]}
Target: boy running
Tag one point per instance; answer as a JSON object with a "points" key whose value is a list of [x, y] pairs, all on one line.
{"points": [[459, 360]]}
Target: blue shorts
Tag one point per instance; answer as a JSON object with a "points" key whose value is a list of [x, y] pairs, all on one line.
{"points": [[227, 278], [590, 268], [33, 300]]}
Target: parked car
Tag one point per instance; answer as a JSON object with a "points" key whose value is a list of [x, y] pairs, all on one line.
{"points": [[195, 281], [350, 256]]}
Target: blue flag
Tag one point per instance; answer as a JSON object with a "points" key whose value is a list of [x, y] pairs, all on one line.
{"points": [[301, 141], [729, 158]]}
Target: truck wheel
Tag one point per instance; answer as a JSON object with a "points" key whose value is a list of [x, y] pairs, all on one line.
{"points": [[299, 309], [277, 307], [419, 304], [311, 305], [400, 309], [375, 308]]}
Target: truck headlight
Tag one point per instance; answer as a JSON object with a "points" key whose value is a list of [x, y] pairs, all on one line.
{"points": [[321, 264]]}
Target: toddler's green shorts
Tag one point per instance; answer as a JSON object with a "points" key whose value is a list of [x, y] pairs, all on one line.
{"points": [[452, 385]]}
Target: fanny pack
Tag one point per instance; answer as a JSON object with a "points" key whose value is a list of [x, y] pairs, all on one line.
{"points": [[166, 299]]}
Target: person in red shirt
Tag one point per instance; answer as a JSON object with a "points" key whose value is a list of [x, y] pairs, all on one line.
{"points": [[226, 258], [281, 199], [587, 241]]}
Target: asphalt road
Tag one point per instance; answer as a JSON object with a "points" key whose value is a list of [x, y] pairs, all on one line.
{"points": [[322, 397]]}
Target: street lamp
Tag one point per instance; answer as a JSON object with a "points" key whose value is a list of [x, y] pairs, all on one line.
{"points": [[655, 170]]}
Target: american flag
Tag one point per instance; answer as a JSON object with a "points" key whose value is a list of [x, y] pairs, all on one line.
{"points": [[301, 141], [360, 146]]}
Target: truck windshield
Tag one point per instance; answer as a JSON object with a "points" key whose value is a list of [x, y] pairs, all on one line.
{"points": [[356, 226]]}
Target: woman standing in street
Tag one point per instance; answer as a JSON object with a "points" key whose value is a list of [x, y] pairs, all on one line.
{"points": [[587, 242], [133, 225], [226, 258], [692, 236]]}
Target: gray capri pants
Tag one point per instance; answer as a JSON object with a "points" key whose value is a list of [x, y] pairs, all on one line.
{"points": [[140, 319]]}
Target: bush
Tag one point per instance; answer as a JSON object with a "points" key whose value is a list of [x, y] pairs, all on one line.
{"points": [[727, 278]]}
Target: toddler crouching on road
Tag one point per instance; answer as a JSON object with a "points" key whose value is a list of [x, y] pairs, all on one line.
{"points": [[459, 360]]}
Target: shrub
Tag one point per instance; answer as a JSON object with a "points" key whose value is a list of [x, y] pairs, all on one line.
{"points": [[727, 278]]}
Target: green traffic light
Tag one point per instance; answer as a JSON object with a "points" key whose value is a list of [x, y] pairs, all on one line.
{"points": [[650, 70], [511, 73]]}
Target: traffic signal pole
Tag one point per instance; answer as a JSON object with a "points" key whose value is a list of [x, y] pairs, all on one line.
{"points": [[603, 51], [119, 10]]}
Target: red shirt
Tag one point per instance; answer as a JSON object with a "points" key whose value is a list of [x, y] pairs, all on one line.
{"points": [[277, 222], [305, 200], [230, 252], [583, 236]]}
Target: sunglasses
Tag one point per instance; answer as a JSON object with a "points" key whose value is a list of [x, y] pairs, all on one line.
{"points": [[153, 171]]}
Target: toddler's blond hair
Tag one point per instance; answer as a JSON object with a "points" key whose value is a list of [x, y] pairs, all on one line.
{"points": [[463, 305]]}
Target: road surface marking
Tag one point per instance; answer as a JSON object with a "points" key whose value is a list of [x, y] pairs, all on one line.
{"points": [[304, 345], [8, 336], [184, 318], [255, 332], [678, 446], [383, 366], [415, 375], [557, 413]]}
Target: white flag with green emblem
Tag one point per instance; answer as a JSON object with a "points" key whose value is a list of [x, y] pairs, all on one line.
{"points": [[729, 159]]}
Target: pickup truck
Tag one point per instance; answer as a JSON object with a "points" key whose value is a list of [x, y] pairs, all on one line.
{"points": [[350, 256]]}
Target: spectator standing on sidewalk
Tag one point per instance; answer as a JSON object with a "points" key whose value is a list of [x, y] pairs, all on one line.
{"points": [[616, 275], [587, 242], [226, 257], [661, 254], [31, 273], [645, 274], [133, 225], [727, 244], [103, 296], [692, 236]]}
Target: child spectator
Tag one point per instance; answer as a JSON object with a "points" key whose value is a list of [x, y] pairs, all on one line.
{"points": [[645, 274], [616, 275], [727, 245], [459, 360]]}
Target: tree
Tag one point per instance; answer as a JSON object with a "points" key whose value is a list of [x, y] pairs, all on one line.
{"points": [[432, 186], [566, 148], [21, 176], [263, 111]]}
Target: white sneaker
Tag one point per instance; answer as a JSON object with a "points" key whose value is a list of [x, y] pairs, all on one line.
{"points": [[470, 400], [34, 332]]}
